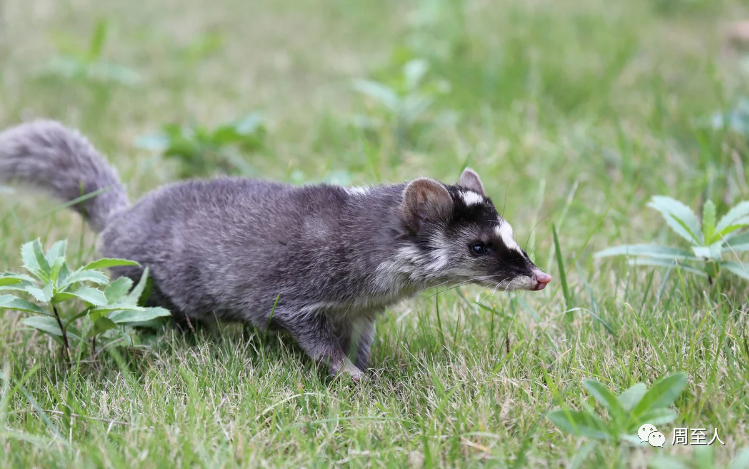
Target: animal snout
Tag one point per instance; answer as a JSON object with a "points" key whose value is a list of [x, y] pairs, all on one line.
{"points": [[541, 279]]}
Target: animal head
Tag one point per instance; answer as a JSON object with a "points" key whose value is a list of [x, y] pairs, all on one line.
{"points": [[454, 234]]}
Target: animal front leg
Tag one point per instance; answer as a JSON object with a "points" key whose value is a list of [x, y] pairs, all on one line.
{"points": [[315, 333], [357, 340]]}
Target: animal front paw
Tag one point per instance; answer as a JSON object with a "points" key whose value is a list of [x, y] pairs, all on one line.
{"points": [[351, 370]]}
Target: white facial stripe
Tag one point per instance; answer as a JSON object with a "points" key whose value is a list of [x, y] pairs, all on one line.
{"points": [[471, 198], [440, 253], [441, 258], [504, 231]]}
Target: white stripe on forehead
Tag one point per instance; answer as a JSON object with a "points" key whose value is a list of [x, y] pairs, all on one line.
{"points": [[504, 231], [471, 198]]}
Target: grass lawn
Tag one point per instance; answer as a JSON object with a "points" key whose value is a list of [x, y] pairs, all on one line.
{"points": [[574, 112]]}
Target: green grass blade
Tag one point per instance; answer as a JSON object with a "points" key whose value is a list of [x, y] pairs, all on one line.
{"points": [[562, 273]]}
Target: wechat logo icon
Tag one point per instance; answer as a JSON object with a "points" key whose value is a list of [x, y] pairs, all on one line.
{"points": [[651, 434]]}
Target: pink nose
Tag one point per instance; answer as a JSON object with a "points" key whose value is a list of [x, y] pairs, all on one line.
{"points": [[542, 279]]}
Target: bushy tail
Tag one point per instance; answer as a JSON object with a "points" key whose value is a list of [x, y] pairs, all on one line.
{"points": [[47, 155]]}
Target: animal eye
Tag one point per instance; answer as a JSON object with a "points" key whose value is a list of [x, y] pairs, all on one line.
{"points": [[478, 248]]}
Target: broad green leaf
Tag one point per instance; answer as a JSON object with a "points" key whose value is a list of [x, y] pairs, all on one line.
{"points": [[665, 263], [135, 295], [708, 221], [606, 398], [712, 252], [248, 132], [56, 251], [87, 276], [226, 135], [731, 248], [101, 325], [701, 251], [738, 238], [742, 222], [19, 304], [739, 211], [6, 300], [42, 295], [91, 296], [14, 279], [40, 259], [722, 235], [658, 416], [127, 339], [632, 396], [662, 394], [130, 316], [59, 297], [62, 277], [44, 324], [741, 461], [118, 289], [49, 325], [17, 287], [679, 217], [118, 306], [31, 261], [579, 423], [54, 271], [379, 92], [105, 263], [696, 238], [648, 250], [738, 268]]}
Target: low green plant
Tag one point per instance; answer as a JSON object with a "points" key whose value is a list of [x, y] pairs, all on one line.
{"points": [[201, 150], [85, 63], [627, 412], [703, 457], [110, 308], [405, 100], [710, 241]]}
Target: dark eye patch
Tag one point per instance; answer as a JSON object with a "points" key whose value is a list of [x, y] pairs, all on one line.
{"points": [[478, 248]]}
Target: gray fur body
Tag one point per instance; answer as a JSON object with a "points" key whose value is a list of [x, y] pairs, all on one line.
{"points": [[228, 248]]}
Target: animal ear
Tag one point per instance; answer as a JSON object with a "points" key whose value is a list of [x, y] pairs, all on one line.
{"points": [[470, 180], [425, 199]]}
